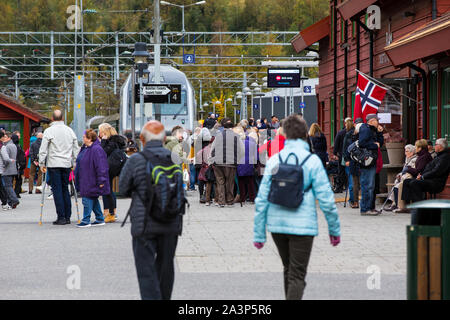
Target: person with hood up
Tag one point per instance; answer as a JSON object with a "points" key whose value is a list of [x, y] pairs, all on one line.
{"points": [[92, 177]]}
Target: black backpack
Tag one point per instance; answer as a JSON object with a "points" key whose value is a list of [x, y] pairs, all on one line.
{"points": [[166, 199], [116, 161], [364, 157], [21, 159], [287, 183]]}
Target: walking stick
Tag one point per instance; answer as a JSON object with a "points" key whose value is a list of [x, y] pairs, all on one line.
{"points": [[388, 196], [76, 197], [44, 176]]}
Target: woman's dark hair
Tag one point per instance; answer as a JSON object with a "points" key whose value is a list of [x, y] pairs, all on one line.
{"points": [[295, 127], [91, 135]]}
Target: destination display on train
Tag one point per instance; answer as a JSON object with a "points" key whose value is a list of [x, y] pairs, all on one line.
{"points": [[159, 93], [283, 78]]}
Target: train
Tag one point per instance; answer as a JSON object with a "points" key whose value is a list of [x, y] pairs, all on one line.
{"points": [[170, 115]]}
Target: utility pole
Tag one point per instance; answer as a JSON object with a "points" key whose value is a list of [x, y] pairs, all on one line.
{"points": [[157, 42]]}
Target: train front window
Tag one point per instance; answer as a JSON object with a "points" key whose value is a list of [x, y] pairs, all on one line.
{"points": [[172, 109]]}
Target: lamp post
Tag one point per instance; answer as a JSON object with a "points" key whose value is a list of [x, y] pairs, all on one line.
{"points": [[228, 100], [140, 55], [182, 7], [245, 93], [214, 106], [239, 95]]}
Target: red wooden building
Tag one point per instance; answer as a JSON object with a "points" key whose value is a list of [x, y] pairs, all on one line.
{"points": [[14, 116], [410, 52]]}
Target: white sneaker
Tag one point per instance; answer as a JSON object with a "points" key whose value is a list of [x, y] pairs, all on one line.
{"points": [[40, 188], [6, 207], [50, 197]]}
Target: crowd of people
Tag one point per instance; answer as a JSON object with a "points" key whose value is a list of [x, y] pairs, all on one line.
{"points": [[251, 162]]}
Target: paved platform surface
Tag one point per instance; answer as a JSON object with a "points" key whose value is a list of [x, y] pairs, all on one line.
{"points": [[215, 257]]}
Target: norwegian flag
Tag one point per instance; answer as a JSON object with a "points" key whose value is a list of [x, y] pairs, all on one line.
{"points": [[368, 97]]}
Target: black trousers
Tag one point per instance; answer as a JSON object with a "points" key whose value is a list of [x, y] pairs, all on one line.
{"points": [[18, 183], [294, 252], [341, 179], [153, 258], [414, 190]]}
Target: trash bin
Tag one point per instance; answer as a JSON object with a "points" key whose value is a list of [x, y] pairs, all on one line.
{"points": [[428, 251]]}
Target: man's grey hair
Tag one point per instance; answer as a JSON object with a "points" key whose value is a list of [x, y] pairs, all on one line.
{"points": [[148, 136], [410, 148], [39, 135], [442, 142]]}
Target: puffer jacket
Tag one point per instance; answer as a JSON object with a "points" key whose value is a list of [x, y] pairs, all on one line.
{"points": [[133, 181], [93, 171], [302, 220], [113, 143]]}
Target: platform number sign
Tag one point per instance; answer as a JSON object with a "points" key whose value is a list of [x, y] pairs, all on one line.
{"points": [[160, 93], [188, 58], [255, 106], [307, 89], [276, 99]]}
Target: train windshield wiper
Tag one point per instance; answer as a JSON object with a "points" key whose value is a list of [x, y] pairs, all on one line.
{"points": [[178, 112]]}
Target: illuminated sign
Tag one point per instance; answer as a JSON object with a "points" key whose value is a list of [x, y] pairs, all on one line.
{"points": [[283, 78]]}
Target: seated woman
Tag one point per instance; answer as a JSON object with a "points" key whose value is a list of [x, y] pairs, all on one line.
{"points": [[423, 158], [434, 176], [410, 161]]}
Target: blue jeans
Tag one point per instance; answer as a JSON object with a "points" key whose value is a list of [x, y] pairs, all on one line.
{"points": [[92, 204], [192, 177], [367, 182], [10, 193], [59, 182], [350, 184]]}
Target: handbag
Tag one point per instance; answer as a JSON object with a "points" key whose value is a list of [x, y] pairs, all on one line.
{"points": [[209, 174], [202, 173]]}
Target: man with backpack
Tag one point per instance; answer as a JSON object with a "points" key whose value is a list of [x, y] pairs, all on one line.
{"points": [[155, 184], [370, 138]]}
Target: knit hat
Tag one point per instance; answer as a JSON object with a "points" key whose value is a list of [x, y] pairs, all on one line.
{"points": [[358, 120], [371, 116]]}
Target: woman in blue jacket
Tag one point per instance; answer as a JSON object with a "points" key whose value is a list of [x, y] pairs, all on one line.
{"points": [[293, 230], [92, 178]]}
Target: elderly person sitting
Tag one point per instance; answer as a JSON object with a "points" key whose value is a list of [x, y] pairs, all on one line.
{"points": [[410, 161], [433, 177]]}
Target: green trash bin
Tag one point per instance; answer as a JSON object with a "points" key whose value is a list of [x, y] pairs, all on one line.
{"points": [[428, 251]]}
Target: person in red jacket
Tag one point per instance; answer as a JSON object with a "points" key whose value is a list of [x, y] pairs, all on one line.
{"points": [[275, 145]]}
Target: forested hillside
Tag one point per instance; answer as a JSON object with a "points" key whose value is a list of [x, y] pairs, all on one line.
{"points": [[215, 15]]}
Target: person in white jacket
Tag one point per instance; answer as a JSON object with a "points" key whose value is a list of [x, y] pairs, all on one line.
{"points": [[57, 155]]}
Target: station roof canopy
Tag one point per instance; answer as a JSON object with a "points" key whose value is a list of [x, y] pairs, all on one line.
{"points": [[18, 107], [425, 41], [349, 8], [311, 34]]}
